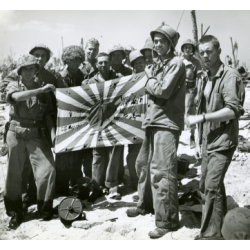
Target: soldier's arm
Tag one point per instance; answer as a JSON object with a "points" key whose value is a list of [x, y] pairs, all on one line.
{"points": [[164, 88], [24, 95]]}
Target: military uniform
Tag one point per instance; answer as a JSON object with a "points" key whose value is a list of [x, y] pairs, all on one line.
{"points": [[68, 165], [106, 160], [26, 136], [88, 70]]}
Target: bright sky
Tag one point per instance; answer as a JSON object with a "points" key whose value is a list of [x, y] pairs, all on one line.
{"points": [[20, 30]]}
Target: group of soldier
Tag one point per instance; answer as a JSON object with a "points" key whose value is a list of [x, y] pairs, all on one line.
{"points": [[179, 91]]}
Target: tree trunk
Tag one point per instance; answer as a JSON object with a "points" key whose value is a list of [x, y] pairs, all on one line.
{"points": [[233, 53], [195, 37]]}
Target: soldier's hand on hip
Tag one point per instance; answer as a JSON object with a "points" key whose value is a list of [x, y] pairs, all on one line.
{"points": [[48, 87]]}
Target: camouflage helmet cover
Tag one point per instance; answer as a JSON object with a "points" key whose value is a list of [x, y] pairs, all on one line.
{"points": [[171, 34], [129, 47], [42, 46], [72, 52], [116, 47], [188, 41], [135, 55], [26, 60]]}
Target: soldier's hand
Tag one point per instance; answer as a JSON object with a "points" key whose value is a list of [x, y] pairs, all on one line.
{"points": [[191, 120], [197, 154], [48, 87], [149, 70]]}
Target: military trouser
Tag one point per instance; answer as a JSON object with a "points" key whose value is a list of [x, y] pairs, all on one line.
{"points": [[133, 151], [68, 170], [156, 166], [106, 165], [87, 162], [214, 168], [190, 106], [22, 142]]}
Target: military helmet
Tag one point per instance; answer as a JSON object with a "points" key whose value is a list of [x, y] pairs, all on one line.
{"points": [[129, 47], [116, 47], [171, 34], [149, 44], [26, 60], [42, 46], [188, 41], [135, 55], [236, 225]]}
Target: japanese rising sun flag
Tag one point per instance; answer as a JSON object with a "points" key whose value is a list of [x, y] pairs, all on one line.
{"points": [[101, 115]]}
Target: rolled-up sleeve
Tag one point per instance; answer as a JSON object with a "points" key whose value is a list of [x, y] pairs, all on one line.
{"points": [[165, 87], [10, 89], [234, 95]]}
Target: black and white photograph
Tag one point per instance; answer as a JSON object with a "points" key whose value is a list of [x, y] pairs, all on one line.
{"points": [[124, 124]]}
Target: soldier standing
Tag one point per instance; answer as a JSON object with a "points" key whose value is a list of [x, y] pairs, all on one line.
{"points": [[220, 105], [105, 165], [148, 51], [89, 68], [30, 106], [156, 163], [138, 64], [193, 66], [68, 165]]}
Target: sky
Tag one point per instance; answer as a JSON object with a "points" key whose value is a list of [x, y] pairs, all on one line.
{"points": [[20, 30]]}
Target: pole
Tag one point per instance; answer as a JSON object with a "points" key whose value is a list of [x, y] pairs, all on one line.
{"points": [[202, 30], [11, 55], [82, 42], [62, 42], [233, 52]]}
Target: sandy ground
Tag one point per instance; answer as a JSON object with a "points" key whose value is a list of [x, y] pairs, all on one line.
{"points": [[237, 184]]}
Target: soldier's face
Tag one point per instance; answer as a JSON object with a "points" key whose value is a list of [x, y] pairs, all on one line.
{"points": [[209, 54], [74, 64], [162, 44], [139, 65], [92, 51], [116, 58], [103, 64], [28, 72], [42, 56], [188, 49], [148, 56]]}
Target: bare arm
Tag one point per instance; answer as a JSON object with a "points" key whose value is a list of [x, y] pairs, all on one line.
{"points": [[222, 115], [24, 95]]}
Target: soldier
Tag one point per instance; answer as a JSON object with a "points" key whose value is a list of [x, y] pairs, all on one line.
{"points": [[30, 106], [43, 54], [105, 165], [220, 105], [147, 51], [128, 49], [193, 66], [117, 54], [89, 68], [156, 163], [68, 165], [138, 63]]}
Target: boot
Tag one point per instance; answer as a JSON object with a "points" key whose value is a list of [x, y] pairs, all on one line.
{"points": [[15, 221]]}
